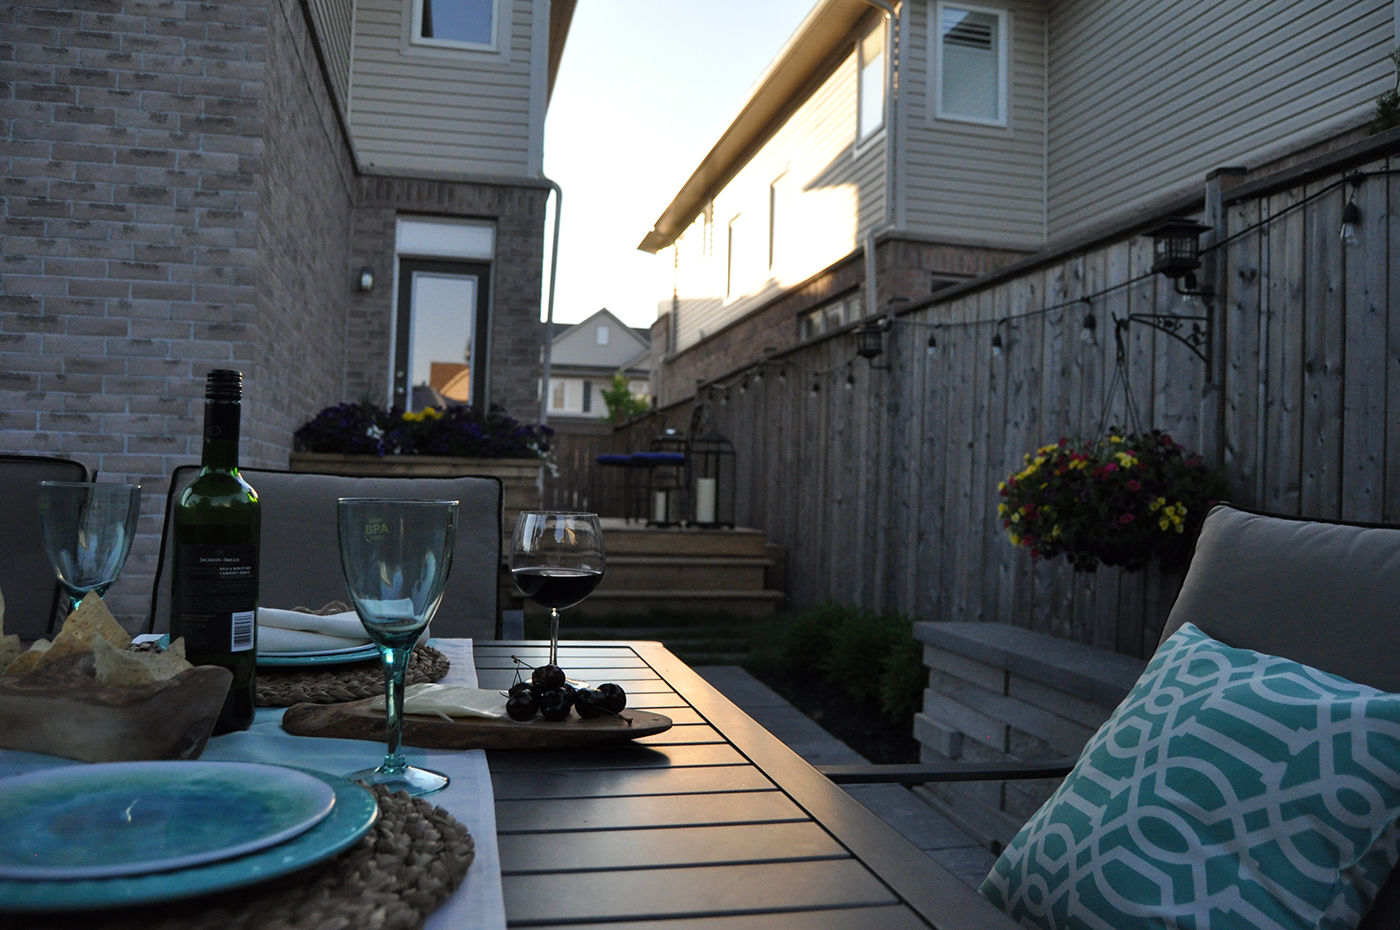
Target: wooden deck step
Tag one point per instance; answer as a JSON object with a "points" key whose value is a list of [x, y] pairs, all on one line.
{"points": [[693, 573]]}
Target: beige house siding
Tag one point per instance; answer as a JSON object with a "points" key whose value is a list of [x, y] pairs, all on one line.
{"points": [[334, 20], [448, 110], [834, 192], [969, 183], [1148, 98]]}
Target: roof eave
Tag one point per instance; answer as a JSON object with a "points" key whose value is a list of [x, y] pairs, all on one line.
{"points": [[824, 30]]}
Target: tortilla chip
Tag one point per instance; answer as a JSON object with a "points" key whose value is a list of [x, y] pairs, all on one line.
{"points": [[91, 620], [122, 669], [10, 649], [29, 661]]}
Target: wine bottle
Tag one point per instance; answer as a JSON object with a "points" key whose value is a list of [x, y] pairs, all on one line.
{"points": [[217, 523]]}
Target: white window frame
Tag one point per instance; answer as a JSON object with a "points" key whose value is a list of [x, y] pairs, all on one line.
{"points": [[729, 258], [778, 219], [415, 30], [1003, 16], [864, 141]]}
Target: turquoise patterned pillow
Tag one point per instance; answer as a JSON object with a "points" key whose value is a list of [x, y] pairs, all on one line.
{"points": [[1230, 789]]}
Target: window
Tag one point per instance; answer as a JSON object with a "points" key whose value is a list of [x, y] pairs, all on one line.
{"points": [[558, 394], [602, 335], [871, 92], [455, 22], [440, 333], [830, 316], [970, 71], [588, 397]]}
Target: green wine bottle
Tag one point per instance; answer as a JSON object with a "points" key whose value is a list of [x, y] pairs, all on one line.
{"points": [[217, 523]]}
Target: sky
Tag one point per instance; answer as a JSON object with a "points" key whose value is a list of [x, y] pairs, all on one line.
{"points": [[643, 92]]}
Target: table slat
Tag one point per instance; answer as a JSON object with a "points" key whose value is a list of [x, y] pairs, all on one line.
{"points": [[691, 892], [630, 756], [709, 779], [863, 918], [622, 849], [544, 815]]}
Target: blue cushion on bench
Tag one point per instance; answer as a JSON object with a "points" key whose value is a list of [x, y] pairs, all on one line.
{"points": [[1230, 789]]}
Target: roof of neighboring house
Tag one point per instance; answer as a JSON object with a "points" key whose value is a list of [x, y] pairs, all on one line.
{"points": [[782, 86], [577, 347]]}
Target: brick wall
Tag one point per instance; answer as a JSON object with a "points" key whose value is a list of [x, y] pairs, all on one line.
{"points": [[178, 196], [131, 143], [516, 331]]}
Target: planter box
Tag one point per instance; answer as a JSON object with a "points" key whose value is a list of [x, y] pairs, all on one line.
{"points": [[520, 478]]}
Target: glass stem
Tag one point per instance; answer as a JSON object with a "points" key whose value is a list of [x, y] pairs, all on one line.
{"points": [[554, 636], [395, 665]]}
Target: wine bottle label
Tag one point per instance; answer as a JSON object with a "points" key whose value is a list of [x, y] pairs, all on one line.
{"points": [[218, 597]]}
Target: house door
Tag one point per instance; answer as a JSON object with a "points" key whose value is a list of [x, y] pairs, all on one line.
{"points": [[440, 335]]}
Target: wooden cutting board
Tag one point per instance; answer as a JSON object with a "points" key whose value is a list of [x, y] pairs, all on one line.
{"points": [[355, 720]]}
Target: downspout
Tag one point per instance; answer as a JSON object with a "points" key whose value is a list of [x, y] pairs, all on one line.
{"points": [[549, 316], [891, 144]]}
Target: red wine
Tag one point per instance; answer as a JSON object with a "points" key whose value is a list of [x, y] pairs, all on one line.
{"points": [[556, 588]]}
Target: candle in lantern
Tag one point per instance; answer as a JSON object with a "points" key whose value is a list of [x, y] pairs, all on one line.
{"points": [[705, 490]]}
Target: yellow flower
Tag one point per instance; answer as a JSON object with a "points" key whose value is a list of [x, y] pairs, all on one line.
{"points": [[1015, 518], [1044, 485], [1115, 439], [1001, 486], [1015, 540], [1157, 505], [1126, 460], [1001, 509]]}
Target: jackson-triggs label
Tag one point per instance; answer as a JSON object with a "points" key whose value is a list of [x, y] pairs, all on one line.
{"points": [[218, 597]]}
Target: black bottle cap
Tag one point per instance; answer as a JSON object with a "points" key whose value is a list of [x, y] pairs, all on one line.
{"points": [[224, 384]]}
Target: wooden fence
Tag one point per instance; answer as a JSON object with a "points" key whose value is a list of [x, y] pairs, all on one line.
{"points": [[882, 482]]}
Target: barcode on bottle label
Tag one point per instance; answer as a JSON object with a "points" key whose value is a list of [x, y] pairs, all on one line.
{"points": [[242, 631]]}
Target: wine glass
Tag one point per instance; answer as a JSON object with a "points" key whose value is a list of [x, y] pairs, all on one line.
{"points": [[87, 530], [396, 555], [556, 559]]}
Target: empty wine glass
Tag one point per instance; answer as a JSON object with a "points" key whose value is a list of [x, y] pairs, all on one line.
{"points": [[556, 559], [87, 530], [396, 555]]}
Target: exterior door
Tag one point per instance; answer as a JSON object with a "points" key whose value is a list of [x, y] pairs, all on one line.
{"points": [[440, 337]]}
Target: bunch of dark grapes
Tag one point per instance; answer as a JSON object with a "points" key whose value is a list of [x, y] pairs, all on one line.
{"points": [[549, 695]]}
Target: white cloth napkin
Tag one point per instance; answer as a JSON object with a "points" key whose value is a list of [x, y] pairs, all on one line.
{"points": [[294, 631]]}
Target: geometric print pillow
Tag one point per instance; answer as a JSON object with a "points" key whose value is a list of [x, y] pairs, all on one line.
{"points": [[1230, 789]]}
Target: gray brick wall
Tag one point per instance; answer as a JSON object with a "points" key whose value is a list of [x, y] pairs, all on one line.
{"points": [[178, 195], [129, 222]]}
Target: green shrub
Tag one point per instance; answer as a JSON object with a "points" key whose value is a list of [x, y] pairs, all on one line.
{"points": [[870, 657]]}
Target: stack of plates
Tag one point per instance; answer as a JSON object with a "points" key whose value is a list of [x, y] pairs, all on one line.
{"points": [[341, 656], [122, 833]]}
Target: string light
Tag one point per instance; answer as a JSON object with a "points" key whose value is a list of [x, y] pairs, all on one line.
{"points": [[850, 382], [932, 343], [1088, 332], [996, 345]]}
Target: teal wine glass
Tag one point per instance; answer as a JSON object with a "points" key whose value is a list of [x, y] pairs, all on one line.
{"points": [[87, 530], [396, 555]]}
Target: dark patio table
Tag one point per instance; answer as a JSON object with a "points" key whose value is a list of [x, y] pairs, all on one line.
{"points": [[713, 825]]}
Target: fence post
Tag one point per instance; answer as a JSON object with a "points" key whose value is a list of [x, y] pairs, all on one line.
{"points": [[1211, 442]]}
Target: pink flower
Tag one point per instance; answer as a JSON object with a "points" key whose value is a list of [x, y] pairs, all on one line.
{"points": [[1126, 519], [1134, 486], [1111, 466]]}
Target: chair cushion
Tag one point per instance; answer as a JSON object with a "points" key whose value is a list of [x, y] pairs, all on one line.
{"points": [[300, 558], [1230, 789], [1264, 582]]}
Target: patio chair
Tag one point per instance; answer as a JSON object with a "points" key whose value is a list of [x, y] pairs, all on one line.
{"points": [[31, 591], [1268, 583], [299, 563]]}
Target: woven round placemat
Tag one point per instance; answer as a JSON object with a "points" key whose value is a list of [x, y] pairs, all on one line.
{"points": [[283, 687], [409, 862]]}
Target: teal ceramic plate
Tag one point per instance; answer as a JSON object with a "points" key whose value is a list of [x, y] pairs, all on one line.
{"points": [[134, 818], [355, 811], [274, 660]]}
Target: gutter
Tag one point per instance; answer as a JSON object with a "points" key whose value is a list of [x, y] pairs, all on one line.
{"points": [[891, 10], [548, 347]]}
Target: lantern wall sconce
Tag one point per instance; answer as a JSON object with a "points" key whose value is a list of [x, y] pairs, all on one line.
{"points": [[870, 341], [1176, 254], [366, 281]]}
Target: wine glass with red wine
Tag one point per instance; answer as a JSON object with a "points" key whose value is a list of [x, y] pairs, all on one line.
{"points": [[556, 560]]}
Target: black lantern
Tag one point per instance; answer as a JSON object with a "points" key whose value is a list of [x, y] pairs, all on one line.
{"points": [[870, 340], [1176, 247], [667, 483], [712, 470]]}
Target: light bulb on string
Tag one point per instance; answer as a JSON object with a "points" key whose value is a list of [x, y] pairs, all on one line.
{"points": [[1088, 332], [1351, 224], [816, 388], [932, 343], [996, 345], [850, 382]]}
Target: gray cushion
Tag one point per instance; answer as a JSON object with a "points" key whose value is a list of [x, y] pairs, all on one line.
{"points": [[299, 563], [26, 577], [1323, 594]]}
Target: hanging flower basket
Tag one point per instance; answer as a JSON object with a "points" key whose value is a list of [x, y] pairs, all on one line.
{"points": [[464, 432], [1119, 500]]}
